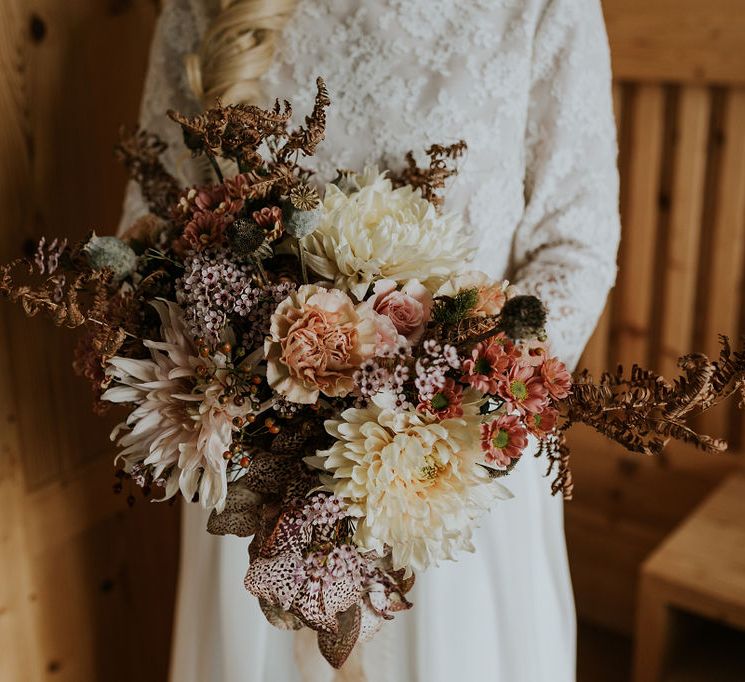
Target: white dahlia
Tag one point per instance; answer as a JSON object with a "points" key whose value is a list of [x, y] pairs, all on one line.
{"points": [[378, 232], [413, 483], [178, 425]]}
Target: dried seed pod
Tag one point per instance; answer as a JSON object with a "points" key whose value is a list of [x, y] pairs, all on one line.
{"points": [[523, 317], [111, 253], [301, 223], [304, 197], [246, 237]]}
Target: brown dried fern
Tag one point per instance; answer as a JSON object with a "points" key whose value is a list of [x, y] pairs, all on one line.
{"points": [[431, 180], [140, 153], [238, 132], [643, 411]]}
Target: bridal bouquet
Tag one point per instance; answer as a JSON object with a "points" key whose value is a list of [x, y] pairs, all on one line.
{"points": [[318, 369]]}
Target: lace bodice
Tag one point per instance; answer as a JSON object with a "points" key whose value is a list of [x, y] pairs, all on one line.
{"points": [[526, 83]]}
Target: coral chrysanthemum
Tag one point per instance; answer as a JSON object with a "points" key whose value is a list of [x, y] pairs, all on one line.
{"points": [[503, 439]]}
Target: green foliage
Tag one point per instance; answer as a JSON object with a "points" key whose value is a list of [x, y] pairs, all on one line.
{"points": [[453, 309]]}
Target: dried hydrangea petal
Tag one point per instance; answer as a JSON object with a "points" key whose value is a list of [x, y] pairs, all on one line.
{"points": [[270, 473], [370, 622], [341, 593], [289, 534], [309, 606]]}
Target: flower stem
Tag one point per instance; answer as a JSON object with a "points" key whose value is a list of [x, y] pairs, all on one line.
{"points": [[215, 167]]}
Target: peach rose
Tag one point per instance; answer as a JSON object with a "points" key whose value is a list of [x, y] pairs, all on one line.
{"points": [[408, 309], [318, 340], [491, 295]]}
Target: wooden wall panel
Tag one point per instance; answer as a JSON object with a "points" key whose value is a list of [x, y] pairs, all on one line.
{"points": [[632, 300], [679, 104], [681, 247], [722, 283], [86, 583], [692, 41]]}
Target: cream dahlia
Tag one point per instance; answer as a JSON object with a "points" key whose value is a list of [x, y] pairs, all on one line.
{"points": [[318, 341], [378, 232], [414, 483], [178, 427]]}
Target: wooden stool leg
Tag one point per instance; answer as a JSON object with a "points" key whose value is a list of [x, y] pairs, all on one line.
{"points": [[651, 633]]}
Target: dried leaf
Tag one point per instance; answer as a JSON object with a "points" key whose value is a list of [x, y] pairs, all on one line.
{"points": [[242, 513], [337, 647]]}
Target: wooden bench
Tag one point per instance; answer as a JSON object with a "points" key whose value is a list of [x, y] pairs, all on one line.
{"points": [[698, 569]]}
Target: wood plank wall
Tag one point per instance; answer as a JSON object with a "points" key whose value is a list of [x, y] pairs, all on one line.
{"points": [[679, 95], [86, 584]]}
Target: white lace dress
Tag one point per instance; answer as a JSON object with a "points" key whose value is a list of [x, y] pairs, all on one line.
{"points": [[527, 84]]}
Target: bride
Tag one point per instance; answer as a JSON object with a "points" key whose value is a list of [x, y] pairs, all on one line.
{"points": [[527, 84]]}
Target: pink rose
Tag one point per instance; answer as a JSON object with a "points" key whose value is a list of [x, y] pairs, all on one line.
{"points": [[408, 309], [387, 338]]}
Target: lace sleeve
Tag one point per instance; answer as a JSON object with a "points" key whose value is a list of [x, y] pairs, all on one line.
{"points": [[565, 246], [178, 31]]}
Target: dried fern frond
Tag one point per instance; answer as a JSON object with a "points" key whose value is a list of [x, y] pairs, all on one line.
{"points": [[140, 153], [430, 181], [555, 449], [239, 131], [643, 411], [307, 138]]}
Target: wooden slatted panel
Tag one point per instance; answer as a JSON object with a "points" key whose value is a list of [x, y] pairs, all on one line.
{"points": [[597, 353], [690, 41], [679, 265], [639, 212], [680, 269], [721, 289]]}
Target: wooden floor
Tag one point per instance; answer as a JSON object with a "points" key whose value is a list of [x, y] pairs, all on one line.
{"points": [[602, 656], [702, 652]]}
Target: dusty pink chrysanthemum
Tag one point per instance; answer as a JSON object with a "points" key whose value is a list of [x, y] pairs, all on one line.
{"points": [[541, 423], [556, 378], [503, 439], [523, 390], [446, 403], [489, 362]]}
